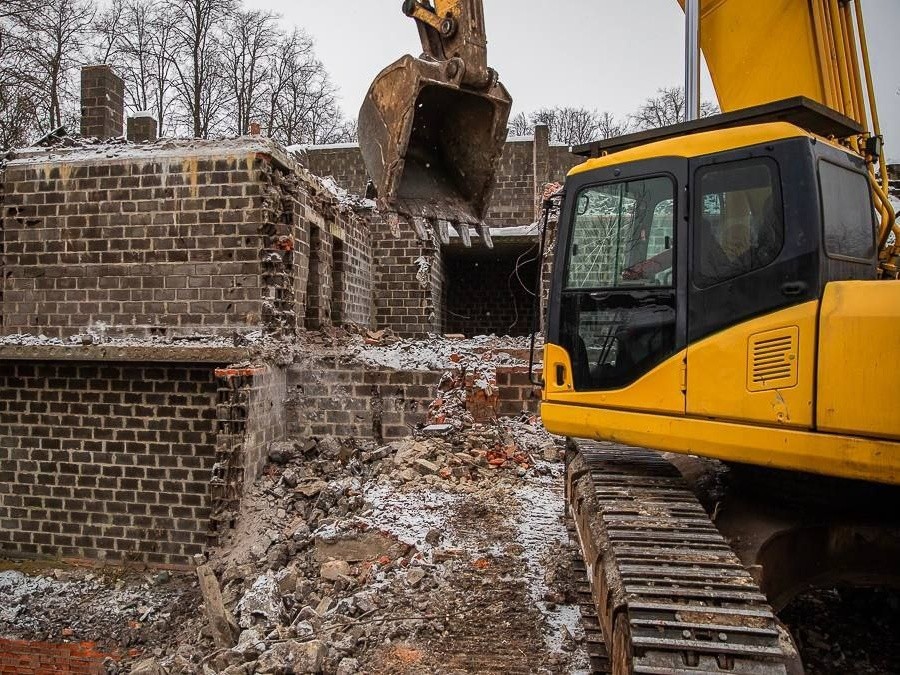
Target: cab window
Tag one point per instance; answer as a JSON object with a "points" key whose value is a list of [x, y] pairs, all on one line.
{"points": [[739, 223], [846, 203], [623, 235]]}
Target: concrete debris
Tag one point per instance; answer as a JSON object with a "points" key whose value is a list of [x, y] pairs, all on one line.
{"points": [[261, 604], [147, 667], [364, 556], [334, 570], [292, 656], [222, 624]]}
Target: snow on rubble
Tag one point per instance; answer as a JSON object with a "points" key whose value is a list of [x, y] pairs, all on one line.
{"points": [[439, 353]]}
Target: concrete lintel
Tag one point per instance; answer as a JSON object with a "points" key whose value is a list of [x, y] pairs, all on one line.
{"points": [[142, 354]]}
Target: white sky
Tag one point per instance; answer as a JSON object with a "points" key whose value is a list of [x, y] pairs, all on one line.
{"points": [[604, 54]]}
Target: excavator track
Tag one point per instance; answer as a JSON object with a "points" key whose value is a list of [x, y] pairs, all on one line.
{"points": [[669, 594]]}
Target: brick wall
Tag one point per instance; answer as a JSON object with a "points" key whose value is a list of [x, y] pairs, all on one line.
{"points": [[250, 416], [337, 396], [408, 279], [102, 102], [23, 657], [344, 163], [482, 294], [210, 237], [105, 461]]}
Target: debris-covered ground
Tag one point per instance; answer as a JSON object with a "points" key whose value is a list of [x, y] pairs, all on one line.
{"points": [[425, 555]]}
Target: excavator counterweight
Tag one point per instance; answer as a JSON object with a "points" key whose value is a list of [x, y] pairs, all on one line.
{"points": [[432, 129]]}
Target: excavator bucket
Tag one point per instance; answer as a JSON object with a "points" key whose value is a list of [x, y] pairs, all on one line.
{"points": [[431, 145]]}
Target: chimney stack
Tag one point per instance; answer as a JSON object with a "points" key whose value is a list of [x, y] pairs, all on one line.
{"points": [[142, 127], [102, 102]]}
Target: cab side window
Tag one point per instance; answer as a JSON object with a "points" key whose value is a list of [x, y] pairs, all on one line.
{"points": [[846, 200], [739, 219]]}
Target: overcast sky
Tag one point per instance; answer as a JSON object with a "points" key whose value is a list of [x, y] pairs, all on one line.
{"points": [[604, 54]]}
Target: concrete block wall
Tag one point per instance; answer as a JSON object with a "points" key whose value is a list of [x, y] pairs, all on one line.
{"points": [[106, 461]]}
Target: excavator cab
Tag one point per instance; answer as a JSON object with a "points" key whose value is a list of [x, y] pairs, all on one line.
{"points": [[701, 303], [432, 129]]}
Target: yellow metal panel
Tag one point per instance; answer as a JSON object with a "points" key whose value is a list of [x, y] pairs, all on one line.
{"points": [[792, 449], [759, 51], [660, 390], [859, 349], [720, 371], [697, 145]]}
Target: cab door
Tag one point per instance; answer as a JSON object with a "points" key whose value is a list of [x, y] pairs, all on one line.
{"points": [[619, 310], [752, 317]]}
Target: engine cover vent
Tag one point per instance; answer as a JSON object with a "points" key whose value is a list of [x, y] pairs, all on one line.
{"points": [[772, 359]]}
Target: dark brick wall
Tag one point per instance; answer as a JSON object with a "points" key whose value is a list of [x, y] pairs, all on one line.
{"points": [[172, 242], [482, 293], [343, 163], [336, 396], [207, 238], [105, 461], [141, 129], [408, 279], [250, 416], [339, 397]]}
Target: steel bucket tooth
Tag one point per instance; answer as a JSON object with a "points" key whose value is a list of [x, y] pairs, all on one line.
{"points": [[431, 147]]}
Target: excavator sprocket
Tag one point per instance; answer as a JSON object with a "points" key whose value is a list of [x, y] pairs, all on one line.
{"points": [[670, 595]]}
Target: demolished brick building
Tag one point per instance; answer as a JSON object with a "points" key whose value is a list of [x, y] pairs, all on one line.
{"points": [[140, 285]]}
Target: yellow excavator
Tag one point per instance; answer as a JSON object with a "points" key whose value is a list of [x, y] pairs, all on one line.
{"points": [[723, 288]]}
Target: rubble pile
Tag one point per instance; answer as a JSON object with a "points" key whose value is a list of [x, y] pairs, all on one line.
{"points": [[438, 353], [122, 608], [353, 557]]}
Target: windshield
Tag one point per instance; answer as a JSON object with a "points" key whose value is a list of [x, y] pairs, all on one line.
{"points": [[623, 235]]}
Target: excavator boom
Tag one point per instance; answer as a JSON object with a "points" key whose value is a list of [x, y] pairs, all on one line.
{"points": [[432, 129]]}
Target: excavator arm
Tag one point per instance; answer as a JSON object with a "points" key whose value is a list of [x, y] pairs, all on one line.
{"points": [[432, 128], [760, 52]]}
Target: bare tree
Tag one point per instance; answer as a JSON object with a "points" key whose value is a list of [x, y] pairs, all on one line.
{"points": [[667, 108], [575, 126], [249, 52], [108, 27], [195, 53], [57, 34], [302, 105], [609, 126], [520, 126]]}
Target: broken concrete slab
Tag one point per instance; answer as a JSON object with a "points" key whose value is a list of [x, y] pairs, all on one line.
{"points": [[359, 547], [332, 570], [224, 628]]}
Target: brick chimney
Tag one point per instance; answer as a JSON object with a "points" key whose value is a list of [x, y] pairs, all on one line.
{"points": [[541, 165], [141, 127], [102, 102]]}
